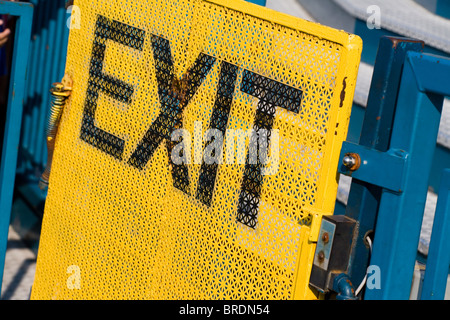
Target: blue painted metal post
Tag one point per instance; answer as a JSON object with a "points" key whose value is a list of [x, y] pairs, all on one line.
{"points": [[59, 60], [443, 8], [46, 64], [438, 260], [260, 2], [416, 125], [364, 198], [24, 13]]}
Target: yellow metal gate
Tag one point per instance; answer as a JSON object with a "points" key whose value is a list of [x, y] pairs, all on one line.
{"points": [[196, 154]]}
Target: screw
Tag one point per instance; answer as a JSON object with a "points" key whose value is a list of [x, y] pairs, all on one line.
{"points": [[321, 256], [325, 237]]}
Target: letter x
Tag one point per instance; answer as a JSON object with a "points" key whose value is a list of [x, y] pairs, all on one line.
{"points": [[174, 95]]}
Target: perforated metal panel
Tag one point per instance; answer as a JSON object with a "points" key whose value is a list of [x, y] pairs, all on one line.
{"points": [[124, 218]]}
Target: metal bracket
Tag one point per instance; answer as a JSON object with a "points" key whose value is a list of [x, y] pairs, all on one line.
{"points": [[383, 169], [332, 251]]}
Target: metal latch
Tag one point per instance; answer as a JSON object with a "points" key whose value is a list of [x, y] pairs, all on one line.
{"points": [[332, 251]]}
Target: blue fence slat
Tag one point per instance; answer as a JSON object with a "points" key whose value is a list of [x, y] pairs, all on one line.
{"points": [[8, 165], [400, 213], [48, 50], [438, 260]]}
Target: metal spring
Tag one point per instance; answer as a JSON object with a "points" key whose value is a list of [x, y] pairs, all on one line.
{"points": [[59, 94]]}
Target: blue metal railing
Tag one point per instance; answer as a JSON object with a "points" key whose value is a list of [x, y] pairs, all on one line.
{"points": [[389, 190], [260, 2], [415, 130], [24, 14], [46, 64], [364, 197], [443, 8], [438, 261], [48, 50]]}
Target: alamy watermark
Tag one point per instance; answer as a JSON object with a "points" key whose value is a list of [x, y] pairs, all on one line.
{"points": [[74, 280], [233, 143], [373, 277], [74, 21], [374, 17]]}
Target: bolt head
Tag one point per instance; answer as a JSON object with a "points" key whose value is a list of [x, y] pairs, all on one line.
{"points": [[321, 256], [352, 161], [325, 237], [349, 161]]}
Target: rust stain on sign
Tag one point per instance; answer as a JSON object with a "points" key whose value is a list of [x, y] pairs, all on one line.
{"points": [[344, 86]]}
